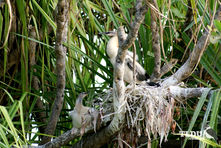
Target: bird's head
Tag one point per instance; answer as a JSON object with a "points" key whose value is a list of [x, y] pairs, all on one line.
{"points": [[81, 97], [109, 33]]}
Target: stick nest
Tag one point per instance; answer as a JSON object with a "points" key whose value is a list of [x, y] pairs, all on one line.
{"points": [[149, 111]]}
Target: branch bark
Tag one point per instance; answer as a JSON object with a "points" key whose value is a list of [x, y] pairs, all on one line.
{"points": [[156, 46], [39, 116], [194, 58], [189, 16], [60, 49], [186, 93], [168, 66]]}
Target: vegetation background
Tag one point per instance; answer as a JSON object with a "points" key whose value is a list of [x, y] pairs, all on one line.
{"points": [[27, 63]]}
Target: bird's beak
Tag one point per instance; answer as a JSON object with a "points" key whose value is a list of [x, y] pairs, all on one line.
{"points": [[84, 95], [109, 33], [102, 33]]}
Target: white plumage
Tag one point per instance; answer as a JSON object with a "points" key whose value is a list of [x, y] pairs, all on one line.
{"points": [[112, 50], [83, 116], [80, 113]]}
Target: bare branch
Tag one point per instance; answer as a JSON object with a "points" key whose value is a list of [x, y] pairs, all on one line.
{"points": [[60, 49], [194, 58], [39, 116], [139, 16], [186, 93], [134, 67], [156, 46], [168, 66]]}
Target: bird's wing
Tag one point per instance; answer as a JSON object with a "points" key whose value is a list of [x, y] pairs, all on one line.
{"points": [[141, 74]]}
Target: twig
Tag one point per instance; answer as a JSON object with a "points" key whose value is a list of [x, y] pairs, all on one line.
{"points": [[192, 62], [195, 32], [168, 66], [134, 67]]}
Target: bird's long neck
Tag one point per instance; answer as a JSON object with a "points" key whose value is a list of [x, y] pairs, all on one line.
{"points": [[78, 104], [112, 47]]}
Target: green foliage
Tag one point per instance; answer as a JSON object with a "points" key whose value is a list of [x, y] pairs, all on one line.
{"points": [[88, 68]]}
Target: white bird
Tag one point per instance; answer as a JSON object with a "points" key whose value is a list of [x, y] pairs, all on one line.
{"points": [[112, 50], [83, 116]]}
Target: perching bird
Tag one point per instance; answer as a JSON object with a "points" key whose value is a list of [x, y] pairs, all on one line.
{"points": [[210, 133], [83, 116], [112, 50], [112, 47]]}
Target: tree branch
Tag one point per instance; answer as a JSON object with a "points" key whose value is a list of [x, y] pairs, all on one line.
{"points": [[186, 93], [156, 46], [139, 16], [194, 58], [168, 66], [60, 49], [39, 116], [189, 16]]}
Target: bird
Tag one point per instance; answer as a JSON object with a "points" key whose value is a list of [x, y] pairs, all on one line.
{"points": [[83, 116], [112, 50], [210, 133], [113, 45]]}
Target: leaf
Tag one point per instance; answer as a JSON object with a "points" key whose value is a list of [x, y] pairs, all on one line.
{"points": [[111, 13], [217, 25], [196, 112], [177, 12]]}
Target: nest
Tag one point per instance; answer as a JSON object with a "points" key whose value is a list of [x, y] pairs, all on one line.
{"points": [[149, 111]]}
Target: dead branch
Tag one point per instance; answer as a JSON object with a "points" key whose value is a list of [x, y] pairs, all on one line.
{"points": [[184, 71], [168, 66], [60, 49]]}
